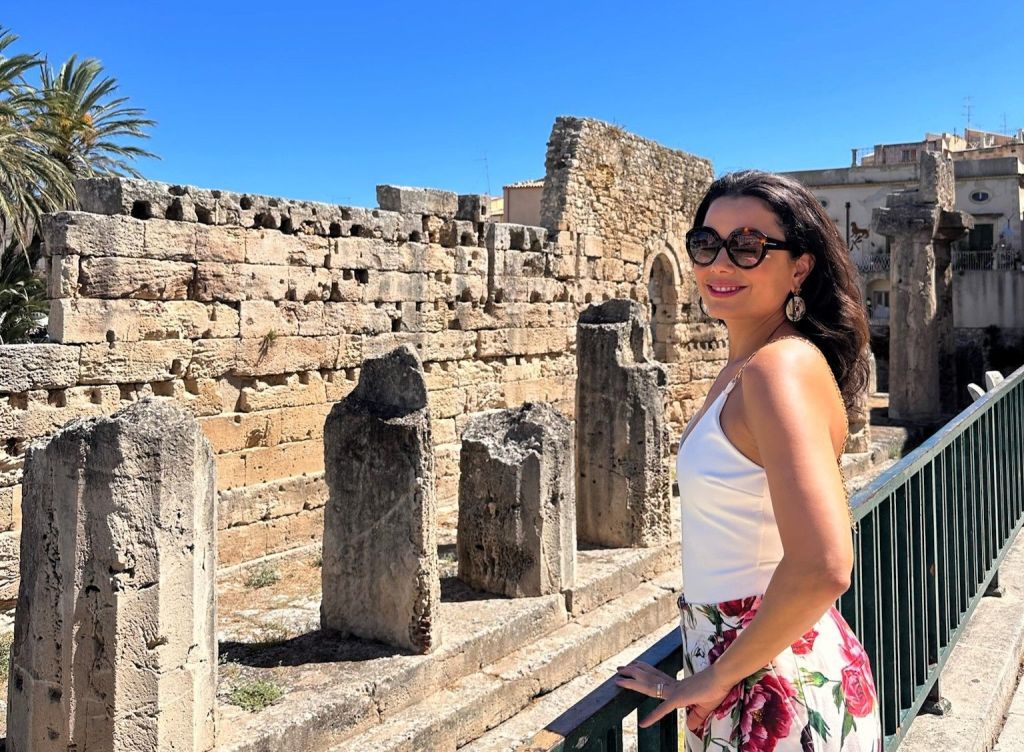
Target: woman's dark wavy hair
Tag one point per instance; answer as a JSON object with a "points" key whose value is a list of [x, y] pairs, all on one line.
{"points": [[836, 321]]}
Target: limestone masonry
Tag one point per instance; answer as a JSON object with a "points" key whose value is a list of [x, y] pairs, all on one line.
{"points": [[255, 314]]}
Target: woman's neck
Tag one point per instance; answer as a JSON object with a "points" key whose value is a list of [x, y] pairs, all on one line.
{"points": [[746, 336]]}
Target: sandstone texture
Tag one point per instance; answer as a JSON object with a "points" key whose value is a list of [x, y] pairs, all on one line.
{"points": [[622, 484], [517, 502], [114, 643], [380, 571]]}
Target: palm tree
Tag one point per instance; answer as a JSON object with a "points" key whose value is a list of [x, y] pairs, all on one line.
{"points": [[70, 126], [88, 123], [23, 301], [32, 180]]}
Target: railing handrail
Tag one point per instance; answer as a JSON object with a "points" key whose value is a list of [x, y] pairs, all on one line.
{"points": [[606, 700], [894, 476]]}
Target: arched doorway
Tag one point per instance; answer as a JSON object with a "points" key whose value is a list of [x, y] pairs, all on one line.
{"points": [[664, 304]]}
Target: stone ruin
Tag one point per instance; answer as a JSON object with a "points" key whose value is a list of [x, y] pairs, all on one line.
{"points": [[114, 642], [517, 502], [622, 488], [922, 224], [380, 577], [255, 313]]}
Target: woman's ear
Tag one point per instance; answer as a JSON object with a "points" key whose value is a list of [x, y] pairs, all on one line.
{"points": [[802, 267]]}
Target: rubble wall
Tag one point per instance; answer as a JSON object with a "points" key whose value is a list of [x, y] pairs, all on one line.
{"points": [[255, 313]]}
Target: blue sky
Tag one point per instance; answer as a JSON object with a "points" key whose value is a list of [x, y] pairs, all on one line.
{"points": [[324, 100]]}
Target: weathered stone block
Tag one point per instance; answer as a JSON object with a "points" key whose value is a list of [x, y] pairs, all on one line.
{"points": [[146, 279], [261, 357], [517, 502], [62, 277], [134, 362], [275, 247], [116, 601], [295, 389], [473, 208], [231, 283], [84, 320], [258, 318], [343, 318], [380, 575], [264, 501], [84, 234], [309, 284], [38, 366], [417, 200], [494, 342], [622, 488], [224, 244]]}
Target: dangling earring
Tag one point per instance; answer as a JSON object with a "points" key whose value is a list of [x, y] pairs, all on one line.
{"points": [[795, 307]]}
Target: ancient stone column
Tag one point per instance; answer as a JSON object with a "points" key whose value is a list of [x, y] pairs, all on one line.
{"points": [[114, 637], [622, 485], [517, 502], [921, 224], [380, 572], [859, 413]]}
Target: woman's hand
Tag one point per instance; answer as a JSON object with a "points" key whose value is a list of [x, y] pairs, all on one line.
{"points": [[700, 694]]}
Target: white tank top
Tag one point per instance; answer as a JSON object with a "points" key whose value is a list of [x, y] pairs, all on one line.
{"points": [[730, 541]]}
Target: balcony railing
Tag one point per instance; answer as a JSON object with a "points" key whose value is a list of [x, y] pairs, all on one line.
{"points": [[874, 264], [998, 260], [930, 535]]}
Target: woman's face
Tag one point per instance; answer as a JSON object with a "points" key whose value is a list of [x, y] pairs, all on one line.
{"points": [[730, 292]]}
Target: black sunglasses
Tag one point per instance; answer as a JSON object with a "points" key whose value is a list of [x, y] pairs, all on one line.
{"points": [[746, 246]]}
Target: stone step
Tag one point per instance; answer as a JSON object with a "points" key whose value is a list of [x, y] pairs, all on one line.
{"points": [[336, 689], [470, 707]]}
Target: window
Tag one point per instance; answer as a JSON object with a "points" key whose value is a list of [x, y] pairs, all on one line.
{"points": [[980, 238], [979, 197], [908, 155], [880, 298]]}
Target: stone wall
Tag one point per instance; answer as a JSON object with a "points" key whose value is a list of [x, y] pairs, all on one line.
{"points": [[620, 206], [255, 313]]}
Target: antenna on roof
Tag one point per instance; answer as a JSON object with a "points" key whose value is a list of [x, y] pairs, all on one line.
{"points": [[967, 113], [487, 173]]}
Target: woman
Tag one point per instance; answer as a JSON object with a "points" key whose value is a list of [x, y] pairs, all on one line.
{"points": [[769, 664]]}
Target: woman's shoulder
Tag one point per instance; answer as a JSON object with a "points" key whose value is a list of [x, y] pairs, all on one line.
{"points": [[791, 371]]}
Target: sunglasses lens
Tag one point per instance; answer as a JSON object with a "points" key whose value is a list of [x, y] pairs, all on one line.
{"points": [[747, 248], [703, 246]]}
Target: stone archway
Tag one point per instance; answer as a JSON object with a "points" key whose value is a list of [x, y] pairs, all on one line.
{"points": [[663, 300]]}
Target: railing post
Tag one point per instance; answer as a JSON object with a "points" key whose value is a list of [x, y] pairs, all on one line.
{"points": [[994, 589], [663, 735], [935, 703]]}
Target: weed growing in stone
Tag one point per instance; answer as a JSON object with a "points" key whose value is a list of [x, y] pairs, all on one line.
{"points": [[262, 577], [254, 695], [273, 633]]}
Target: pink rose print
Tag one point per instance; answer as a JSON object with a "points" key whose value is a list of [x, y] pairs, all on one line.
{"points": [[858, 692], [805, 644]]}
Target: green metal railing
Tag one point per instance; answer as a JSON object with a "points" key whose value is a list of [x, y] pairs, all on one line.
{"points": [[930, 535]]}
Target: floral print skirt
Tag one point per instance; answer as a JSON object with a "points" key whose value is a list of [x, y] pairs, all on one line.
{"points": [[816, 696]]}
